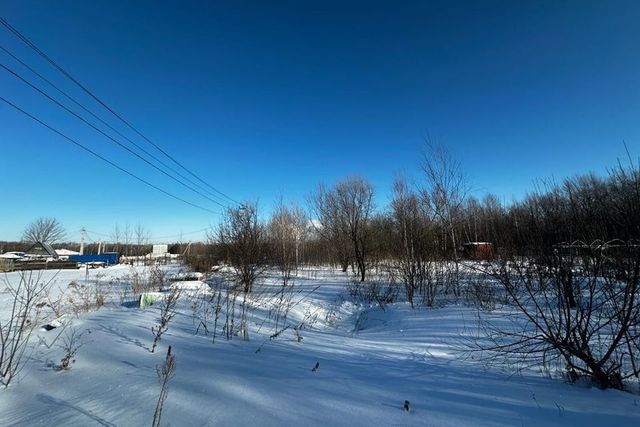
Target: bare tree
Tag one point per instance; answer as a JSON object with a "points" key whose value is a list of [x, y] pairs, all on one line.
{"points": [[46, 230], [300, 222], [328, 225], [127, 239], [345, 212], [412, 223], [355, 199], [242, 238], [285, 230], [142, 237], [116, 235], [445, 190]]}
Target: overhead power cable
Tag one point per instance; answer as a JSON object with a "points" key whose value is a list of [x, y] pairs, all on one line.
{"points": [[50, 98], [30, 44], [89, 237], [182, 234], [188, 233], [104, 159], [95, 232], [76, 102]]}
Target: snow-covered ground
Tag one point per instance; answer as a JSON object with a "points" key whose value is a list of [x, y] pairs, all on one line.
{"points": [[370, 362]]}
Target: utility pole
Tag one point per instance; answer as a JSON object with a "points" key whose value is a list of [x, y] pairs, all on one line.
{"points": [[187, 250], [82, 234]]}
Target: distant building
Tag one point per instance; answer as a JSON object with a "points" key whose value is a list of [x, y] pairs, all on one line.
{"points": [[41, 250], [64, 254], [478, 250], [160, 250], [13, 255]]}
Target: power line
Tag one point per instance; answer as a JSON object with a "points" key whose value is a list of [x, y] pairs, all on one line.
{"points": [[72, 99], [25, 40], [131, 174], [89, 237], [96, 233], [152, 236], [181, 234], [104, 133]]}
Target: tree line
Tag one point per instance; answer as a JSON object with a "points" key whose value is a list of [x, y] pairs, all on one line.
{"points": [[430, 220]]}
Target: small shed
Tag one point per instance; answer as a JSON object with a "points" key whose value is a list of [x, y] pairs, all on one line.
{"points": [[478, 250], [160, 250], [41, 250]]}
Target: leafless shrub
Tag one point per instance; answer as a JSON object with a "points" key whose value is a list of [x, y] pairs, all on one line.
{"points": [[202, 308], [140, 282], [99, 294], [217, 310], [272, 337], [481, 291], [79, 297], [231, 295], [165, 373], [441, 281], [202, 257], [28, 297], [579, 311], [196, 316], [244, 315], [56, 305], [120, 289], [157, 278], [167, 313], [370, 292], [308, 320], [331, 316], [243, 238], [84, 297], [71, 343]]}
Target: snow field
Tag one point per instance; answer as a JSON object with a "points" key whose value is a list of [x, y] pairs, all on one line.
{"points": [[365, 373]]}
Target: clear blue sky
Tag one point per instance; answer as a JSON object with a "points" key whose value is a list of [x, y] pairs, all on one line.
{"points": [[264, 99]]}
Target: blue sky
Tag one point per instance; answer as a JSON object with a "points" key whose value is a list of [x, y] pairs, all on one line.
{"points": [[267, 99]]}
